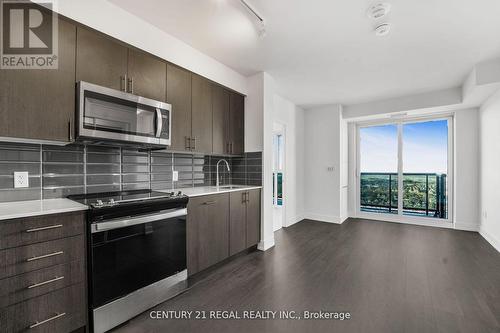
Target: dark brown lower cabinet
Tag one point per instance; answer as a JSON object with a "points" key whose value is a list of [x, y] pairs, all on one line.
{"points": [[221, 225], [60, 311], [237, 224], [253, 217], [42, 274], [207, 231], [244, 226]]}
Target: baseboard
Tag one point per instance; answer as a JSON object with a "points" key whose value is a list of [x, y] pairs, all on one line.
{"points": [[265, 245], [295, 219], [466, 226], [324, 218], [495, 242]]}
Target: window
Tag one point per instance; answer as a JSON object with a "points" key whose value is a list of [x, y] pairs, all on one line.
{"points": [[408, 157]]}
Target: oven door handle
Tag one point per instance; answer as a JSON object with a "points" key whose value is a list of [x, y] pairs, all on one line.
{"points": [[126, 222]]}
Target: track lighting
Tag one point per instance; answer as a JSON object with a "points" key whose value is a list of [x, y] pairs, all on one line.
{"points": [[261, 25]]}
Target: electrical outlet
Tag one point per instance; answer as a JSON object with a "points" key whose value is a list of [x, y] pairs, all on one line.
{"points": [[21, 179], [175, 176]]}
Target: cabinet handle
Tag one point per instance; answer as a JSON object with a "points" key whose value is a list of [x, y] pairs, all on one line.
{"points": [[57, 278], [70, 130], [123, 83], [130, 85], [227, 147], [45, 256], [45, 228], [193, 140], [209, 202], [38, 323], [243, 197], [231, 148], [187, 143]]}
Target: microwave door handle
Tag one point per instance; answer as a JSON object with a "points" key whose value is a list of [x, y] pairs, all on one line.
{"points": [[130, 221], [159, 122]]}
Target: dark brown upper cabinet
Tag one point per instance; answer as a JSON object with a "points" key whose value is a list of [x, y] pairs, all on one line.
{"points": [[206, 117], [237, 124], [201, 130], [179, 95], [147, 75], [101, 60], [220, 120], [39, 104]]}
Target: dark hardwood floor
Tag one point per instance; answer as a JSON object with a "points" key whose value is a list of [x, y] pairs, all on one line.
{"points": [[390, 277]]}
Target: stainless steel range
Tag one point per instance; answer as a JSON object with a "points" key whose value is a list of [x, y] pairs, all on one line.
{"points": [[137, 252]]}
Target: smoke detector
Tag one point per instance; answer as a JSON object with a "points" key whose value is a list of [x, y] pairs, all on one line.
{"points": [[379, 10], [382, 29]]}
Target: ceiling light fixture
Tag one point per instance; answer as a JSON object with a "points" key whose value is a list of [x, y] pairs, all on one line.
{"points": [[378, 13], [378, 10], [382, 29], [261, 22]]}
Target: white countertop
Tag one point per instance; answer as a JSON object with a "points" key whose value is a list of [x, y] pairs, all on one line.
{"points": [[207, 190], [18, 209], [12, 210]]}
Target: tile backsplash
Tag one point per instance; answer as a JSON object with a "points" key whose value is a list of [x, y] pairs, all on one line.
{"points": [[55, 172]]}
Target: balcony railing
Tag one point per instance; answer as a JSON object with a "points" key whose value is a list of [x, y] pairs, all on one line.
{"points": [[424, 194]]}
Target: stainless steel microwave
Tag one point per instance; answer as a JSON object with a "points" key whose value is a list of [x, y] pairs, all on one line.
{"points": [[106, 114]]}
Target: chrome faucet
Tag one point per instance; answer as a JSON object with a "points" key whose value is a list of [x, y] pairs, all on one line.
{"points": [[228, 169]]}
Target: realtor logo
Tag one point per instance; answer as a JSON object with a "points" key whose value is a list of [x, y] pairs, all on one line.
{"points": [[28, 35]]}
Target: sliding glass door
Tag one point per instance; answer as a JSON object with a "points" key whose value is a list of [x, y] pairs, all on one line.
{"points": [[379, 169], [425, 168], [407, 157]]}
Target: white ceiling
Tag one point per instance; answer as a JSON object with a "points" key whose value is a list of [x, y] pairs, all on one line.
{"points": [[324, 51]]}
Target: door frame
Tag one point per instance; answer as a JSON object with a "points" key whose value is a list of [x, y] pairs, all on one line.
{"points": [[284, 206], [400, 218]]}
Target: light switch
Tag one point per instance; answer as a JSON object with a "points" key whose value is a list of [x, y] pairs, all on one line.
{"points": [[175, 176], [21, 179]]}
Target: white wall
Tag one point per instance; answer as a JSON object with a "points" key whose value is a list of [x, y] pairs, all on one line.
{"points": [[118, 23], [267, 232], [344, 169], [466, 192], [466, 169], [435, 100], [323, 149], [254, 113], [489, 170], [292, 117]]}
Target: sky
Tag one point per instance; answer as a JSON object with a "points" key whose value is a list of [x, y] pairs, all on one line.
{"points": [[425, 147]]}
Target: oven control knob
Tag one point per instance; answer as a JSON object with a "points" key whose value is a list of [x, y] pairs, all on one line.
{"points": [[111, 202], [172, 193], [179, 193], [99, 203]]}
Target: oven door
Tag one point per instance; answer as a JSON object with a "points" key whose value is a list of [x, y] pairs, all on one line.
{"points": [[115, 115], [131, 253]]}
